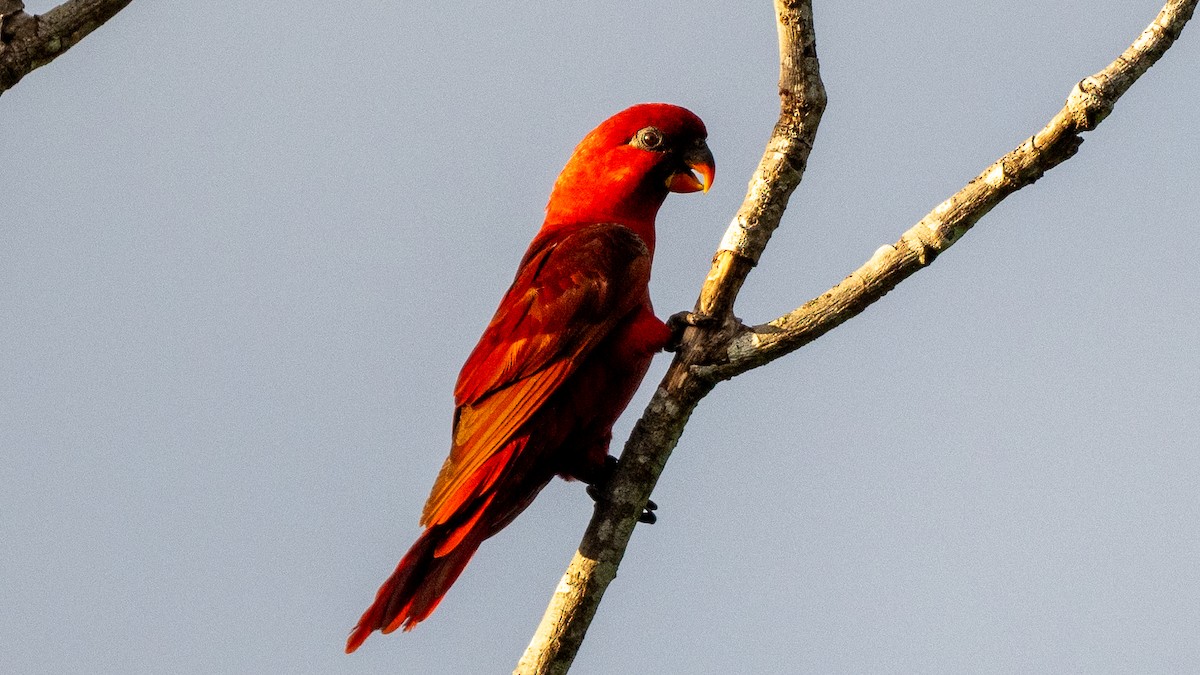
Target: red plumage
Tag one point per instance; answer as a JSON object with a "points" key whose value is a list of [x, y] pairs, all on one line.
{"points": [[561, 358]]}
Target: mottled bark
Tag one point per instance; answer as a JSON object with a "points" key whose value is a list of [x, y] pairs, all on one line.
{"points": [[726, 348], [29, 41]]}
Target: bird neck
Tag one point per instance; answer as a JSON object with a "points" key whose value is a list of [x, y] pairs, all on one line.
{"points": [[628, 200]]}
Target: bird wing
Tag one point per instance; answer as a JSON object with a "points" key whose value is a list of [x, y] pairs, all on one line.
{"points": [[571, 289]]}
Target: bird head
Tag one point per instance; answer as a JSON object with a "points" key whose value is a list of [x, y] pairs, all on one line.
{"points": [[623, 170]]}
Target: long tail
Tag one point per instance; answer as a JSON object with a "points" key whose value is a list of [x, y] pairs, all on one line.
{"points": [[434, 562], [420, 581]]}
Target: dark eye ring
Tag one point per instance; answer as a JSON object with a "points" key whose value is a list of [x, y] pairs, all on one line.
{"points": [[649, 139]]}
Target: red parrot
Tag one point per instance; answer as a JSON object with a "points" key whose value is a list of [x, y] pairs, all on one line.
{"points": [[562, 356]]}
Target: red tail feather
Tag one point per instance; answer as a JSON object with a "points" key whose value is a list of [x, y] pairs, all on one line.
{"points": [[414, 590]]}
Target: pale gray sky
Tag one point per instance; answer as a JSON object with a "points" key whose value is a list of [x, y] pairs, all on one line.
{"points": [[246, 248]]}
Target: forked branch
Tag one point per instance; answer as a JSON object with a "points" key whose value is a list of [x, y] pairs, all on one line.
{"points": [[1088, 104], [710, 355]]}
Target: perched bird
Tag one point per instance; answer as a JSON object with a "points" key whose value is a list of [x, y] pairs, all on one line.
{"points": [[562, 356]]}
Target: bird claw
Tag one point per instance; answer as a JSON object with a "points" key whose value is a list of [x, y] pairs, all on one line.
{"points": [[681, 321], [647, 515], [594, 491]]}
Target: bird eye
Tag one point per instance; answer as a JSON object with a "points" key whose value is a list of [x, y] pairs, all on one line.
{"points": [[649, 138]]}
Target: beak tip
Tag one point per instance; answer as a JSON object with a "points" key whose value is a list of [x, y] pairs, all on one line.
{"points": [[707, 173]]}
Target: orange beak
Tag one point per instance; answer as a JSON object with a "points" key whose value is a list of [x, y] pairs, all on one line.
{"points": [[699, 159]]}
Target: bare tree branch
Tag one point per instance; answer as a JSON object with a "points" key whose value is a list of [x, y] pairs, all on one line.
{"points": [[30, 41], [710, 355]]}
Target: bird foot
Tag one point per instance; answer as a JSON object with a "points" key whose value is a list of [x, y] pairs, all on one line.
{"points": [[681, 321], [595, 489]]}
